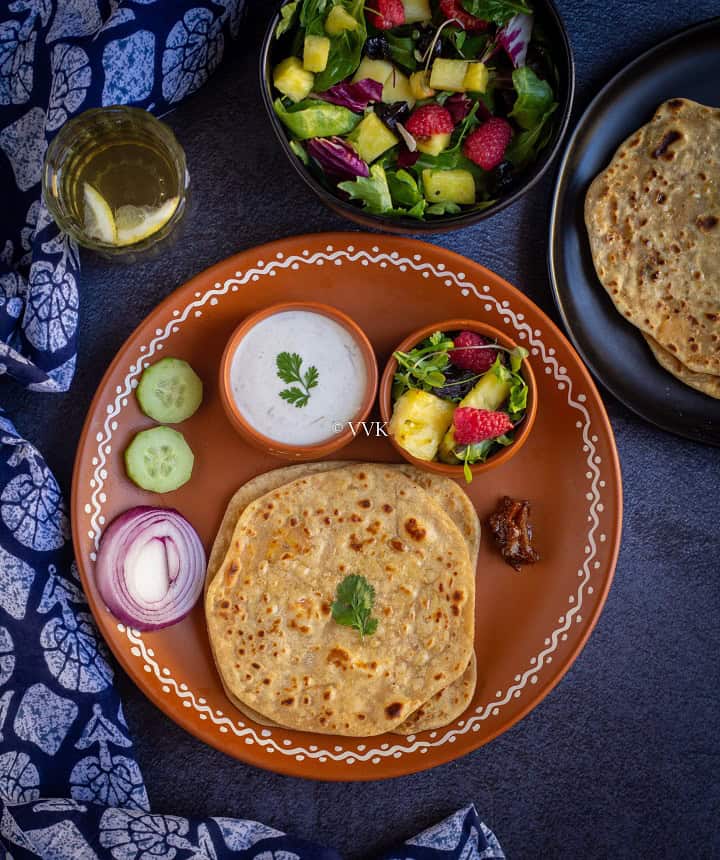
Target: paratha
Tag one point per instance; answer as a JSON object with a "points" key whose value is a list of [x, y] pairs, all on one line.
{"points": [[268, 610], [653, 218], [444, 707], [446, 492], [705, 382], [450, 702]]}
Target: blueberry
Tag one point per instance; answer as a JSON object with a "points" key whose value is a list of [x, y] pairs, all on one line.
{"points": [[393, 113], [424, 41], [502, 179], [377, 48], [458, 383]]}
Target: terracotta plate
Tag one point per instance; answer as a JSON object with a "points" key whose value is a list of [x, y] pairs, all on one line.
{"points": [[530, 626]]}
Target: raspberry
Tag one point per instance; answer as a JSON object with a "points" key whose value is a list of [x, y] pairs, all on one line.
{"points": [[477, 360], [477, 425], [486, 145], [386, 14], [428, 120], [453, 9]]}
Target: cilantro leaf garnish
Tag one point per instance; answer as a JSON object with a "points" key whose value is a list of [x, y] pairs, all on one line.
{"points": [[289, 369], [353, 604]]}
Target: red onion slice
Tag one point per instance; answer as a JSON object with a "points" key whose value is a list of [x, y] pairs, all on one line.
{"points": [[150, 567]]}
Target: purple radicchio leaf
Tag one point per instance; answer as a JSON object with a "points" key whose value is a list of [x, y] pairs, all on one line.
{"points": [[406, 158], [515, 38], [337, 158], [355, 97], [458, 105]]}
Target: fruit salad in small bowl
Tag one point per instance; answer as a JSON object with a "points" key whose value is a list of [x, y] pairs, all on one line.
{"points": [[422, 115], [458, 398]]}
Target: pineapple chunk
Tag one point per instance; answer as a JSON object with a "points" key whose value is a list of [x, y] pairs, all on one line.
{"points": [[417, 10], [419, 422], [449, 186], [339, 20], [315, 53], [397, 89], [371, 138], [449, 75], [434, 144], [419, 85], [476, 78], [292, 79], [396, 85], [489, 393], [376, 70]]}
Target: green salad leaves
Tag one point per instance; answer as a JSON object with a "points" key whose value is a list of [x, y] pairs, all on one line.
{"points": [[533, 107], [498, 11], [373, 191], [288, 15], [345, 49], [387, 192], [534, 98], [315, 118]]}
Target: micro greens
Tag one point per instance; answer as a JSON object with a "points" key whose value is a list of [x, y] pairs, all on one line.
{"points": [[289, 370], [353, 605], [423, 366]]}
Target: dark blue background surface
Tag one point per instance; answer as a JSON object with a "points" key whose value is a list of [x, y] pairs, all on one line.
{"points": [[621, 760]]}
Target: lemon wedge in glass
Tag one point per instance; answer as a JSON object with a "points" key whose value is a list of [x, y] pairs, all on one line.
{"points": [[135, 223], [99, 221]]}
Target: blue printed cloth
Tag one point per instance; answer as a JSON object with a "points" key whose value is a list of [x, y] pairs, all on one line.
{"points": [[70, 787], [57, 59]]}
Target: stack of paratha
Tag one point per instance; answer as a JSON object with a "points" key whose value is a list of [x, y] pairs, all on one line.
{"points": [[287, 540], [653, 217]]}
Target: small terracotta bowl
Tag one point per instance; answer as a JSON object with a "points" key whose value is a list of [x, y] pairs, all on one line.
{"points": [[501, 456], [272, 446]]}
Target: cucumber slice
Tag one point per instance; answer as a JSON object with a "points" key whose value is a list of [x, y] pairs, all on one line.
{"points": [[159, 460], [169, 391]]}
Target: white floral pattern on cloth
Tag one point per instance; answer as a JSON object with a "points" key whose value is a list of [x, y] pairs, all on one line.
{"points": [[192, 52], [58, 58], [71, 79]]}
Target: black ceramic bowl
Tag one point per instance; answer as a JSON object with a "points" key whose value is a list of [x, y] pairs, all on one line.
{"points": [[273, 50]]}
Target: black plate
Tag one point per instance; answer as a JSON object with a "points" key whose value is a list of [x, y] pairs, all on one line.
{"points": [[686, 65]]}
